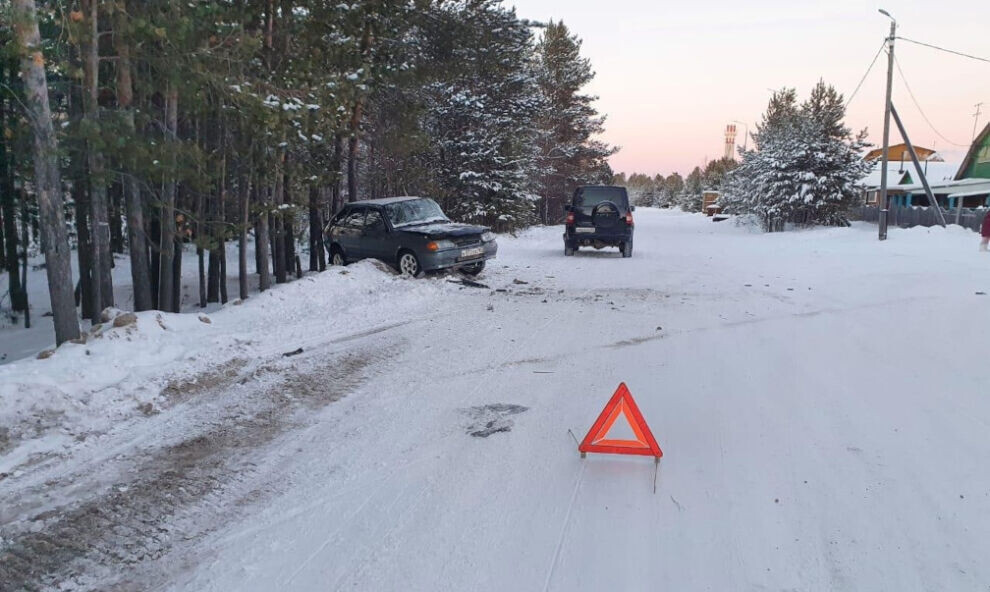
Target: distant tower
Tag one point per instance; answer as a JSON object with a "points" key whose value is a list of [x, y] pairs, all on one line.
{"points": [[730, 141]]}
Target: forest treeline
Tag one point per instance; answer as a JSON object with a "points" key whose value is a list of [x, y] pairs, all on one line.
{"points": [[805, 168], [675, 191], [153, 127]]}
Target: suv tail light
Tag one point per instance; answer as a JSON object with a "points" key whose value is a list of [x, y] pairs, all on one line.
{"points": [[629, 218], [570, 218]]}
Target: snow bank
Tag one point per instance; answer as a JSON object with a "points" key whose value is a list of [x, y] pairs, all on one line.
{"points": [[120, 371]]}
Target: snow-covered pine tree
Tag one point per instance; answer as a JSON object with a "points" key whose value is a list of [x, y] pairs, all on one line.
{"points": [[834, 162], [673, 185], [641, 188], [482, 116], [569, 154], [689, 198], [804, 166]]}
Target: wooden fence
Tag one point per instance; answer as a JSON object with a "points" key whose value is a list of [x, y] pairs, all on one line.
{"points": [[909, 216]]}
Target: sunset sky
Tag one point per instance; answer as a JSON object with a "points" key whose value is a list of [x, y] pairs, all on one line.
{"points": [[672, 75]]}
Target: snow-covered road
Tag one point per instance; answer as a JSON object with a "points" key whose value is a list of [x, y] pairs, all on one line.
{"points": [[822, 401]]}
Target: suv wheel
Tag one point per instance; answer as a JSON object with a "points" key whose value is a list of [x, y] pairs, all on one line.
{"points": [[627, 249], [409, 264], [569, 250]]}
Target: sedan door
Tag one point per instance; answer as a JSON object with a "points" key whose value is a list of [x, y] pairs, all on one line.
{"points": [[376, 238], [348, 233]]}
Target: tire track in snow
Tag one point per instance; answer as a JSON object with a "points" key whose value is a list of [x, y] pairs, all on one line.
{"points": [[563, 530], [116, 538]]}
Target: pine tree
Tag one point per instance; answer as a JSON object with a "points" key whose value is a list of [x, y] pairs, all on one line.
{"points": [[804, 166], [570, 155], [48, 182], [482, 118], [202, 122], [673, 185], [689, 198]]}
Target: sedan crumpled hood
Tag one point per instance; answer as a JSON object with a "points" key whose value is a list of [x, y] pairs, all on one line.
{"points": [[444, 229]]}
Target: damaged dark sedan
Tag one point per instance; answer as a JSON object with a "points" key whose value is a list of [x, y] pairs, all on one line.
{"points": [[410, 233]]}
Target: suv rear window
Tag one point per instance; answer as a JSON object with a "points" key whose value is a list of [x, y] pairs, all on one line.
{"points": [[592, 196]]}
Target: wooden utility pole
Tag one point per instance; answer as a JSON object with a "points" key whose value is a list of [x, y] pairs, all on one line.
{"points": [[48, 183], [882, 204]]}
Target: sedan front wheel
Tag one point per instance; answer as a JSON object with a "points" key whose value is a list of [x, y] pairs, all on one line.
{"points": [[409, 264]]}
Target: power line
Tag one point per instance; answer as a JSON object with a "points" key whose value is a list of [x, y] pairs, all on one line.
{"points": [[958, 53], [863, 79], [922, 111]]}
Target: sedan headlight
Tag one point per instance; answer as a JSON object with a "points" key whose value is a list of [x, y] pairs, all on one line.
{"points": [[488, 237], [440, 245]]}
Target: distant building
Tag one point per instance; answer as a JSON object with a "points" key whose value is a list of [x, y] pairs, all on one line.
{"points": [[976, 165], [730, 141], [709, 200], [900, 152], [955, 186]]}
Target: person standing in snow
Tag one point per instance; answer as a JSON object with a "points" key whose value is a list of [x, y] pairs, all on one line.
{"points": [[985, 232]]}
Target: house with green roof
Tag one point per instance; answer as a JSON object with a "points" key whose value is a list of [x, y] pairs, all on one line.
{"points": [[976, 165], [969, 187]]}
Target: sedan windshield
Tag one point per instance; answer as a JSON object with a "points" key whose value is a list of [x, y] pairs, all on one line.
{"points": [[414, 211]]}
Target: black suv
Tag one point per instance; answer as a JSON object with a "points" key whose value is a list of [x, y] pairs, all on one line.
{"points": [[411, 233], [599, 216]]}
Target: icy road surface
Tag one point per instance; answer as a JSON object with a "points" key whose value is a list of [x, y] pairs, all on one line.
{"points": [[822, 401]]}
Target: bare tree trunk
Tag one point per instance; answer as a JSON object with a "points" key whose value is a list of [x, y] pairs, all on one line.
{"points": [[221, 225], [352, 145], [102, 258], [321, 212], [3, 240], [200, 235], [94, 302], [273, 251], [182, 231], [357, 112], [213, 275], [221, 250], [289, 241], [136, 240], [288, 228], [277, 227], [315, 229], [48, 184], [116, 229], [25, 222], [223, 276], [242, 272], [337, 163], [177, 276], [8, 211], [83, 251], [213, 226], [155, 254], [167, 250], [265, 279]]}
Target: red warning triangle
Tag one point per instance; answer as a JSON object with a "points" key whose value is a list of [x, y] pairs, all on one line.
{"points": [[623, 404]]}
